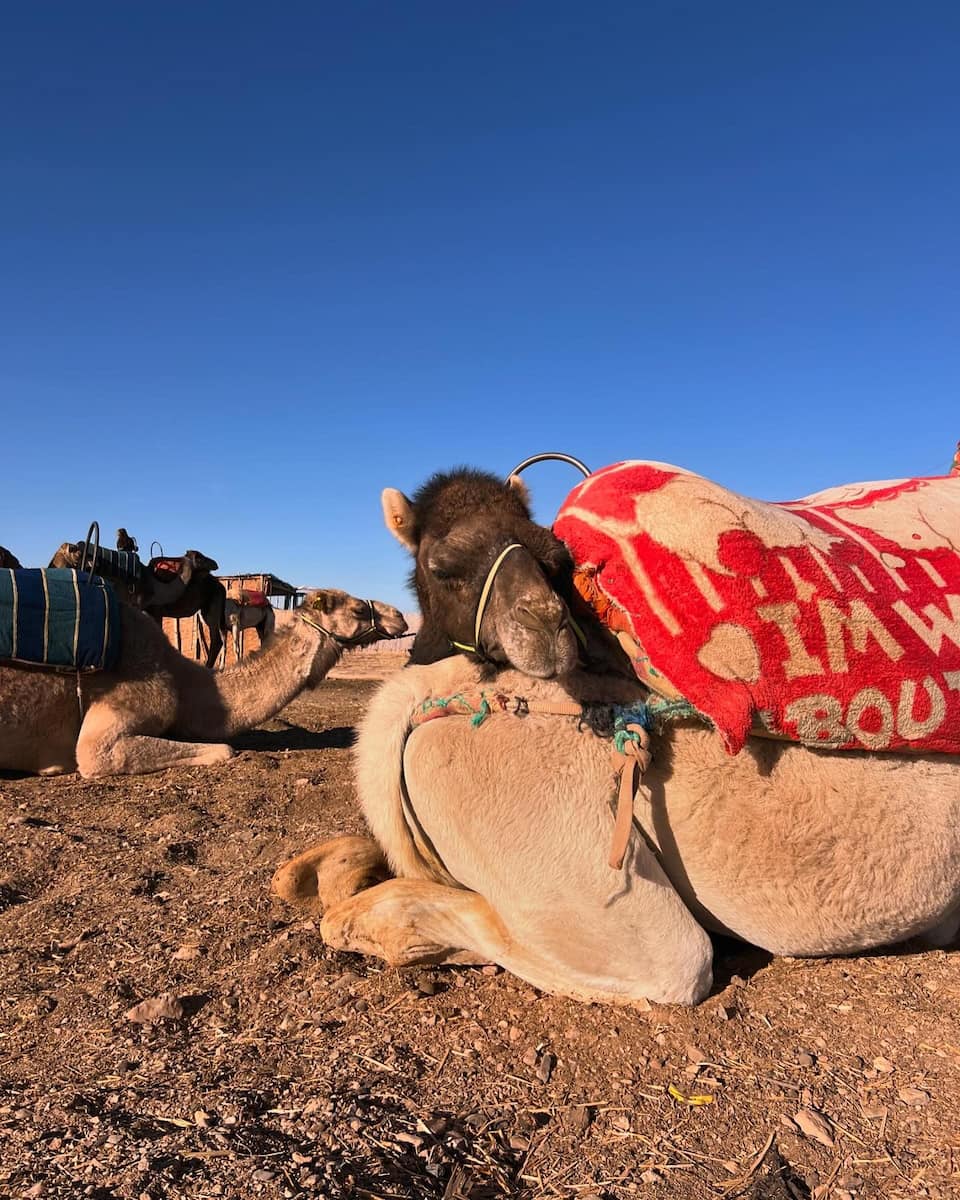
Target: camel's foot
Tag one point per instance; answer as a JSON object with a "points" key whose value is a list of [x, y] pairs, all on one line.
{"points": [[412, 921], [329, 873]]}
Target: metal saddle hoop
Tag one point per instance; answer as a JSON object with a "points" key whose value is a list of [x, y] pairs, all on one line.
{"points": [[94, 533], [552, 456]]}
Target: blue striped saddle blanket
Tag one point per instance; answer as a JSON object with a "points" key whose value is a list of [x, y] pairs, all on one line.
{"points": [[53, 617], [118, 564]]}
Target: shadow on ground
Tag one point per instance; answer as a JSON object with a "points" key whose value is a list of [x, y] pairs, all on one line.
{"points": [[295, 737]]}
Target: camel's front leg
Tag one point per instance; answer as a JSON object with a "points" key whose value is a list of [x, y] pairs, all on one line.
{"points": [[106, 745], [411, 921]]}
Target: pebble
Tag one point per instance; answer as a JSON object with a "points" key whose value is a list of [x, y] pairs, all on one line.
{"points": [[530, 1058], [915, 1096], [547, 1064], [264, 1175], [426, 985], [806, 1060]]}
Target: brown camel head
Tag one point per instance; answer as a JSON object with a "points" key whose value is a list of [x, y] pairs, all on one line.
{"points": [[459, 527], [200, 561], [351, 622], [68, 555]]}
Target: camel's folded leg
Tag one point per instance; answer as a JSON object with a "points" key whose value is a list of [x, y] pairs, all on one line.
{"points": [[104, 747], [330, 872], [409, 921]]}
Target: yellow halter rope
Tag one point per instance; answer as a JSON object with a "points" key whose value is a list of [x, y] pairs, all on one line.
{"points": [[485, 596]]}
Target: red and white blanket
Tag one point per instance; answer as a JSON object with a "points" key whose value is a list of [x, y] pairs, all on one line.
{"points": [[833, 620]]}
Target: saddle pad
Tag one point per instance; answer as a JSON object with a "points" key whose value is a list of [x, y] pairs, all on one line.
{"points": [[250, 598], [833, 620], [54, 617], [166, 568]]}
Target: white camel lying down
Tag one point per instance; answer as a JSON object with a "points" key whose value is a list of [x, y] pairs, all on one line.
{"points": [[801, 852]]}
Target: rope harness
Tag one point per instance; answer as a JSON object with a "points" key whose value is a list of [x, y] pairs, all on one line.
{"points": [[630, 754], [355, 639], [488, 583], [484, 599]]}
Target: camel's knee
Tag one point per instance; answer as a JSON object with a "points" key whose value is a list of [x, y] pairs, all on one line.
{"points": [[329, 873]]}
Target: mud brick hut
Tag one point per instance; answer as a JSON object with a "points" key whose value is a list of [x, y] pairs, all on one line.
{"points": [[189, 634]]}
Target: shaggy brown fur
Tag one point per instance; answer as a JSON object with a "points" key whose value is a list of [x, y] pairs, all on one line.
{"points": [[9, 560]]}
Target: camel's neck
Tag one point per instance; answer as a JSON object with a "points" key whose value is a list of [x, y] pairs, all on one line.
{"points": [[231, 701]]}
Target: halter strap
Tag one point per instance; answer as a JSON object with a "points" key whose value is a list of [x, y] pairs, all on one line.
{"points": [[484, 598], [373, 627]]}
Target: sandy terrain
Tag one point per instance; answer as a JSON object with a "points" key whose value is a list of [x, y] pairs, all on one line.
{"points": [[296, 1071]]}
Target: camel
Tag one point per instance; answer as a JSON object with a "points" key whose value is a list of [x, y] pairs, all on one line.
{"points": [[496, 829], [7, 559], [240, 615], [118, 722], [164, 587]]}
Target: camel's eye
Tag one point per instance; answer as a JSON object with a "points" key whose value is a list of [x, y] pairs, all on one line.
{"points": [[444, 574]]}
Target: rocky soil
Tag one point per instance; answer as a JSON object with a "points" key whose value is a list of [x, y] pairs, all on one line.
{"points": [[167, 1030]]}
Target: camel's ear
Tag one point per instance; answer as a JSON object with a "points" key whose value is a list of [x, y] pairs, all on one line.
{"points": [[398, 515], [516, 484]]}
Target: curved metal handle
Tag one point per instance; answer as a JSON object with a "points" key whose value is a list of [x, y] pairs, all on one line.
{"points": [[555, 456], [156, 543], [92, 532]]}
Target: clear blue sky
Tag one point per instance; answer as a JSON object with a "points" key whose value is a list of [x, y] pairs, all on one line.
{"points": [[258, 262]]}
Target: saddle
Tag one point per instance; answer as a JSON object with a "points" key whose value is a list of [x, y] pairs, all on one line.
{"points": [[54, 617], [833, 620], [251, 598]]}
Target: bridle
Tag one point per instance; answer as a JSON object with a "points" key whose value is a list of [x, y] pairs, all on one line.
{"points": [[488, 583], [372, 626], [484, 599]]}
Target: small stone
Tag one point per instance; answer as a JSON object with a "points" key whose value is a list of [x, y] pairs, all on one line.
{"points": [[789, 1123], [815, 1125], [490, 969], [159, 1008], [883, 1065], [546, 1068], [914, 1096], [186, 952], [347, 979], [301, 1160], [264, 1175], [651, 1175], [805, 1060], [426, 985], [530, 1058], [203, 1119]]}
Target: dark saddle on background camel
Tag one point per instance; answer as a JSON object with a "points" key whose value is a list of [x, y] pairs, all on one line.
{"points": [[833, 620], [121, 565], [183, 567], [56, 617]]}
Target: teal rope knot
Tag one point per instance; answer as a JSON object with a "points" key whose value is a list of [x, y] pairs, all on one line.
{"points": [[478, 718], [640, 715]]}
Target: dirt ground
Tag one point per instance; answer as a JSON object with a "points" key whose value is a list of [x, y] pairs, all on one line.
{"points": [[287, 1070]]}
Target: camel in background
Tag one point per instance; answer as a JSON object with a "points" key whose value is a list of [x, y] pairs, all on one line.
{"points": [[163, 587], [118, 722]]}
